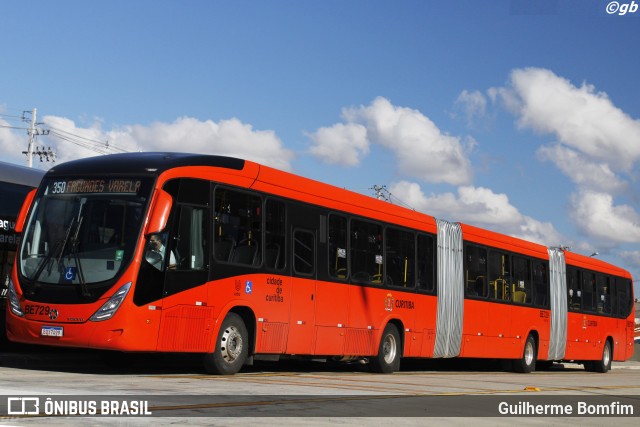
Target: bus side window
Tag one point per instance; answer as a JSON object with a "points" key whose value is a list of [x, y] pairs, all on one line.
{"points": [[275, 226], [400, 258], [613, 295], [189, 245], [303, 252], [521, 286], [338, 261], [238, 229], [574, 299], [476, 272], [426, 271], [603, 299], [588, 291], [499, 276], [367, 264], [540, 284], [623, 292]]}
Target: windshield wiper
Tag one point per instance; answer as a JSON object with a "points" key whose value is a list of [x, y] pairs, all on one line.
{"points": [[58, 252], [74, 251], [72, 234]]}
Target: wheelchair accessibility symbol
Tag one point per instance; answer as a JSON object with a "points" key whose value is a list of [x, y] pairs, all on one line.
{"points": [[70, 273], [248, 287]]}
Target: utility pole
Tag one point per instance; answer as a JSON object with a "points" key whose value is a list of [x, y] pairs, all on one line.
{"points": [[32, 136], [32, 132]]}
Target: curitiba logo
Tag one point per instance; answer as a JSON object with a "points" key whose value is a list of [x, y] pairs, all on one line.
{"points": [[388, 302]]}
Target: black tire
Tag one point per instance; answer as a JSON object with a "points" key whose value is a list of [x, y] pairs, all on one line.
{"points": [[527, 363], [388, 358], [604, 364], [232, 347]]}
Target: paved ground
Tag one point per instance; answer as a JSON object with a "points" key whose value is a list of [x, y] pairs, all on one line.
{"points": [[177, 391]]}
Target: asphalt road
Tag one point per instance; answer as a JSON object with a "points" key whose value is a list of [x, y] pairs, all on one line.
{"points": [[174, 389]]}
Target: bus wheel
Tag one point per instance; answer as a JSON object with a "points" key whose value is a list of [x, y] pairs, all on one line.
{"points": [[388, 358], [527, 363], [604, 364], [231, 347]]}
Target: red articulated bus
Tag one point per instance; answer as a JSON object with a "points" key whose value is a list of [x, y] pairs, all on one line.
{"points": [[168, 252]]}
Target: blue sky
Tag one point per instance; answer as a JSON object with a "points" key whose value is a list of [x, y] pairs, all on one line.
{"points": [[520, 116]]}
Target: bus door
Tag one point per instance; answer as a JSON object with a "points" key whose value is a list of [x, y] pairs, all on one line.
{"points": [[186, 315], [589, 324], [476, 309], [273, 307], [574, 316], [303, 284], [623, 307], [499, 329], [303, 287], [332, 292]]}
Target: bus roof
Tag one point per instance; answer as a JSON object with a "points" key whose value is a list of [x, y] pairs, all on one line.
{"points": [[136, 163], [16, 174]]}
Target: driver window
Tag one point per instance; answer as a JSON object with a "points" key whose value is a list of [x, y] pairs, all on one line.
{"points": [[156, 251]]}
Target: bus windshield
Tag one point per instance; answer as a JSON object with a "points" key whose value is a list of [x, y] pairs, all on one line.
{"points": [[83, 231]]}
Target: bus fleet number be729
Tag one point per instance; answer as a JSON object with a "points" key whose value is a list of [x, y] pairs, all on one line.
{"points": [[38, 310]]}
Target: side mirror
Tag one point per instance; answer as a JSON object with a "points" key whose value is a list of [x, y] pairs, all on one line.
{"points": [[159, 212], [22, 216]]}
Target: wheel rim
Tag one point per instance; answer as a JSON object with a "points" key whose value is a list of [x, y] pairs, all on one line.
{"points": [[389, 349], [231, 344], [606, 355], [528, 353]]}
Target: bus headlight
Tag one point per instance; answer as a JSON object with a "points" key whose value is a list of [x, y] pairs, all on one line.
{"points": [[14, 301], [110, 307]]}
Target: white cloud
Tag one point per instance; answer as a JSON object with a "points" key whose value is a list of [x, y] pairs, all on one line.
{"points": [[341, 144], [421, 149], [597, 146], [480, 207], [596, 215], [582, 170], [226, 137], [579, 117], [12, 144], [474, 104]]}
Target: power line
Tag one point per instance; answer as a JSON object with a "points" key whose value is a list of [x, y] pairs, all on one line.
{"points": [[11, 116], [13, 127], [81, 143], [382, 193], [97, 146], [100, 146], [400, 202]]}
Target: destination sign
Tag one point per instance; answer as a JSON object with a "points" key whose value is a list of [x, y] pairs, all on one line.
{"points": [[94, 186], [7, 232]]}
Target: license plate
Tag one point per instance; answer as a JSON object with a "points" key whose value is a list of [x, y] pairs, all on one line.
{"points": [[52, 331]]}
